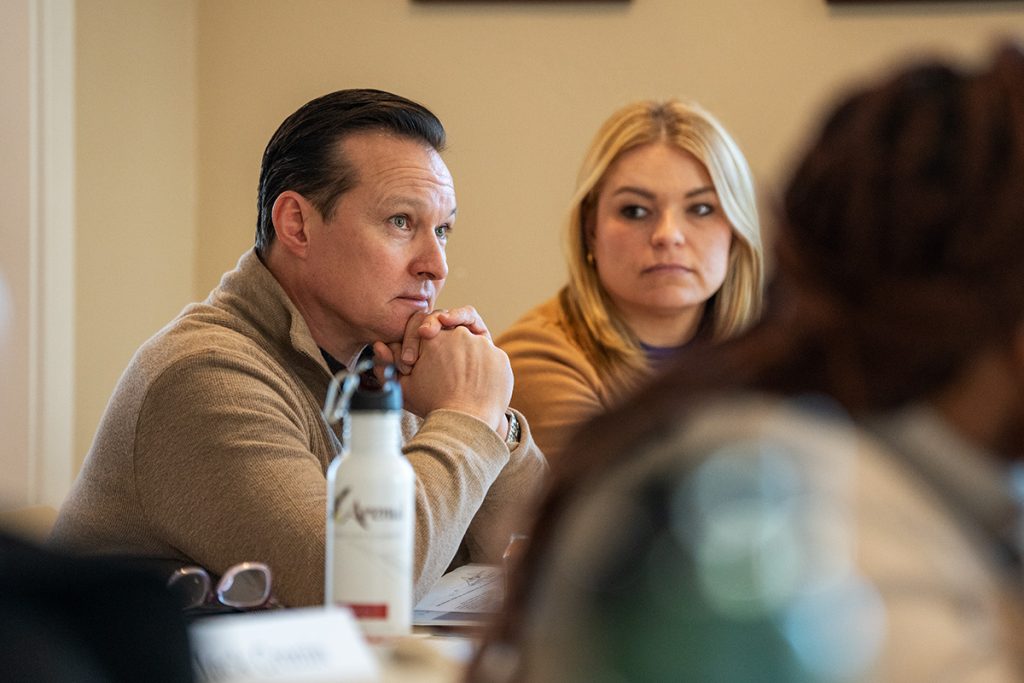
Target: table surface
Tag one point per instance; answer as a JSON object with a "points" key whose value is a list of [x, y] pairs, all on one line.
{"points": [[425, 658]]}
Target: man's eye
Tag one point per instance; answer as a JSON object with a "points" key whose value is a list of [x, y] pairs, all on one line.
{"points": [[442, 231], [634, 212], [400, 222]]}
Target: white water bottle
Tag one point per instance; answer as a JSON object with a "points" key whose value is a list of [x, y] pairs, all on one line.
{"points": [[371, 509]]}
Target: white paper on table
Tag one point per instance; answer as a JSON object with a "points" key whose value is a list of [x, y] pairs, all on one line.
{"points": [[465, 596]]}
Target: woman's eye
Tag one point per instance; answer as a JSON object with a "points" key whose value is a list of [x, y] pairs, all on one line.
{"points": [[442, 231], [634, 212], [400, 222], [702, 209]]}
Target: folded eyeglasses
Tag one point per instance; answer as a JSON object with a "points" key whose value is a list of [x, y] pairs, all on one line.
{"points": [[244, 586]]}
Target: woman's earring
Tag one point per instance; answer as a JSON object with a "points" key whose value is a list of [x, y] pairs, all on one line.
{"points": [[590, 259]]}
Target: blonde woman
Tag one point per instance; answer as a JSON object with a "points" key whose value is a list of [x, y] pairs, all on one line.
{"points": [[664, 248]]}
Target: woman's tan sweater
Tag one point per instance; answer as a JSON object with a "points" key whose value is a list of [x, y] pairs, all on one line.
{"points": [[557, 388]]}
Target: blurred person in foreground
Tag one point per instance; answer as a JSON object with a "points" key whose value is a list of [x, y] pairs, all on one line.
{"points": [[834, 495], [213, 449], [664, 248]]}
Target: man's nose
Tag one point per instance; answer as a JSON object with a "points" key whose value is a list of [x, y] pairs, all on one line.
{"points": [[431, 262]]}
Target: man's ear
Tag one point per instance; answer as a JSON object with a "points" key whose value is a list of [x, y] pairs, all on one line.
{"points": [[292, 215]]}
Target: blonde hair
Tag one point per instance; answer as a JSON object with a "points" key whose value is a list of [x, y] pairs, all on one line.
{"points": [[587, 310]]}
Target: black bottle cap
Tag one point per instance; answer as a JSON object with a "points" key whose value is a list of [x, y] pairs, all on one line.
{"points": [[372, 395]]}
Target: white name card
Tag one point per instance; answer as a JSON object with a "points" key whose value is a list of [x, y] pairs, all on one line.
{"points": [[309, 645]]}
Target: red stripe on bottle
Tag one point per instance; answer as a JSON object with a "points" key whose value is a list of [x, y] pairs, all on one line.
{"points": [[372, 611]]}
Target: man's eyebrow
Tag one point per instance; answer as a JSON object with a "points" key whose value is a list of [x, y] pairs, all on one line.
{"points": [[399, 202]]}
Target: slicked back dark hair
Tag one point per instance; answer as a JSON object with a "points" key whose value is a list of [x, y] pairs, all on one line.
{"points": [[304, 154]]}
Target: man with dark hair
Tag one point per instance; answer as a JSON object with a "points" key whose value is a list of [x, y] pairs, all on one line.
{"points": [[213, 448]]}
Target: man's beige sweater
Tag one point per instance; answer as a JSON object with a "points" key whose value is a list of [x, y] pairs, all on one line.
{"points": [[213, 451]]}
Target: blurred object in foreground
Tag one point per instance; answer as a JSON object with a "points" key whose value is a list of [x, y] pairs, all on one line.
{"points": [[84, 620], [735, 565]]}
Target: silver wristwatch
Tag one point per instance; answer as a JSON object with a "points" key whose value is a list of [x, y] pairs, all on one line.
{"points": [[512, 438]]}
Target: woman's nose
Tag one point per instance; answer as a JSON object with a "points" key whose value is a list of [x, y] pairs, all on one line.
{"points": [[669, 230]]}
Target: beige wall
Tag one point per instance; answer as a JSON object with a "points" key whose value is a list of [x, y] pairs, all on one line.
{"points": [[177, 100], [36, 264], [522, 87], [15, 256], [136, 159]]}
